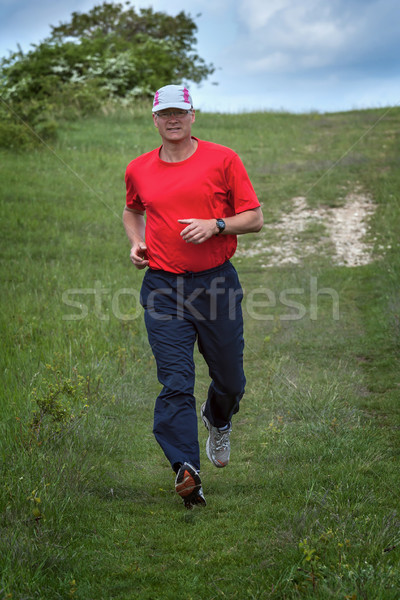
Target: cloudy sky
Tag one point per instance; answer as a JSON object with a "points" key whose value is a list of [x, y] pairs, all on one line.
{"points": [[296, 55]]}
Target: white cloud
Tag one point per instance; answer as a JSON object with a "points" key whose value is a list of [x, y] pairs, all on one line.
{"points": [[274, 61], [193, 7], [288, 35], [255, 14]]}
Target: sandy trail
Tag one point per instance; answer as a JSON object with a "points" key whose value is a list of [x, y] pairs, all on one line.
{"points": [[340, 231]]}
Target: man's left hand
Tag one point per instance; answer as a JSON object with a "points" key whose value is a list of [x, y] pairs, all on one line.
{"points": [[198, 230]]}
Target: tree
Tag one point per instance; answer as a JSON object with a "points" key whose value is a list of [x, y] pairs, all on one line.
{"points": [[112, 52]]}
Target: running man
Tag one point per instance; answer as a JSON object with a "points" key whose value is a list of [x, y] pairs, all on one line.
{"points": [[197, 197]]}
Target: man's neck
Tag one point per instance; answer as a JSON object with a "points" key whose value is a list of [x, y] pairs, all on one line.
{"points": [[178, 151]]}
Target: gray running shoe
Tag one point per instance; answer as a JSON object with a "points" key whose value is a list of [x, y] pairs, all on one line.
{"points": [[218, 446]]}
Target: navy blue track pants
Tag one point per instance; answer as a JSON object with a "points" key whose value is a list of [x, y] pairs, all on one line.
{"points": [[180, 309]]}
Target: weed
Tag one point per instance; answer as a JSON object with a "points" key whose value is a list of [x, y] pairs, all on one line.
{"points": [[59, 401]]}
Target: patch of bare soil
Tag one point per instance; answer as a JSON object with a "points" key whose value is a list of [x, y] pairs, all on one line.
{"points": [[306, 231]]}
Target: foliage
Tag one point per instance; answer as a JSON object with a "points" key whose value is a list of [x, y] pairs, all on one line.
{"points": [[58, 402], [120, 53], [110, 54], [26, 124]]}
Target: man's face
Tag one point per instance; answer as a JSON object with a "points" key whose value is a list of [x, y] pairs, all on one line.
{"points": [[174, 124]]}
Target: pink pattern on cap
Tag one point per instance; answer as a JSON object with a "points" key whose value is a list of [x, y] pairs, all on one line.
{"points": [[156, 100], [186, 95]]}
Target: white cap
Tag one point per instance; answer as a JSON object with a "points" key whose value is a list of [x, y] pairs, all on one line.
{"points": [[172, 96]]}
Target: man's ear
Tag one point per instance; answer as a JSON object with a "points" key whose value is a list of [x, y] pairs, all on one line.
{"points": [[155, 120]]}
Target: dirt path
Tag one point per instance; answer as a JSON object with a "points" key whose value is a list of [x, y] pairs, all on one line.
{"points": [[339, 232]]}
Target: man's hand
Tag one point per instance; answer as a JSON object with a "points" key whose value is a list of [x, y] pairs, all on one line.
{"points": [[139, 255], [198, 230]]}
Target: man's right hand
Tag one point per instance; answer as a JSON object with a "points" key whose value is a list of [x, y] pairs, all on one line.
{"points": [[139, 255]]}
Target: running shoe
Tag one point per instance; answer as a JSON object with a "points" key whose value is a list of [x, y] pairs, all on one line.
{"points": [[197, 498], [218, 446], [188, 486]]}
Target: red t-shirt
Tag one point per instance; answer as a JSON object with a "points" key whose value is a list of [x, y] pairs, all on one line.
{"points": [[212, 183]]}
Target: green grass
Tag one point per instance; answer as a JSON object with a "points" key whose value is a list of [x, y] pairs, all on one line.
{"points": [[309, 505]]}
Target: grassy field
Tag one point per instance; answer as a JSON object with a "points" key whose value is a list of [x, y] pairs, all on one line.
{"points": [[309, 505]]}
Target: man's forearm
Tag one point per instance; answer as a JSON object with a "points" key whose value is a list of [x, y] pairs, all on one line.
{"points": [[135, 225], [200, 230], [246, 222]]}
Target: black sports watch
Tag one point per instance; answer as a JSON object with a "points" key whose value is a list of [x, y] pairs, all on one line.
{"points": [[221, 226]]}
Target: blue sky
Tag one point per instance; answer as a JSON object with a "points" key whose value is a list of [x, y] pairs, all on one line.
{"points": [[323, 55]]}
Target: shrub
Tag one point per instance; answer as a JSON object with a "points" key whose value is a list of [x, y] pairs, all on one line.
{"points": [[26, 124]]}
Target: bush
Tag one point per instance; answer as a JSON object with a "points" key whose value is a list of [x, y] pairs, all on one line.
{"points": [[14, 135], [111, 55], [112, 52], [25, 125]]}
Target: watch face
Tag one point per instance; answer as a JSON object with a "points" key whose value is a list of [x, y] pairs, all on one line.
{"points": [[220, 224]]}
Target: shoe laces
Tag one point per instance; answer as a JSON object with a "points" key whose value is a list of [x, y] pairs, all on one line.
{"points": [[221, 438]]}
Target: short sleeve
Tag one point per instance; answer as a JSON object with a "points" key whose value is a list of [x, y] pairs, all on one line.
{"points": [[133, 200], [243, 195]]}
